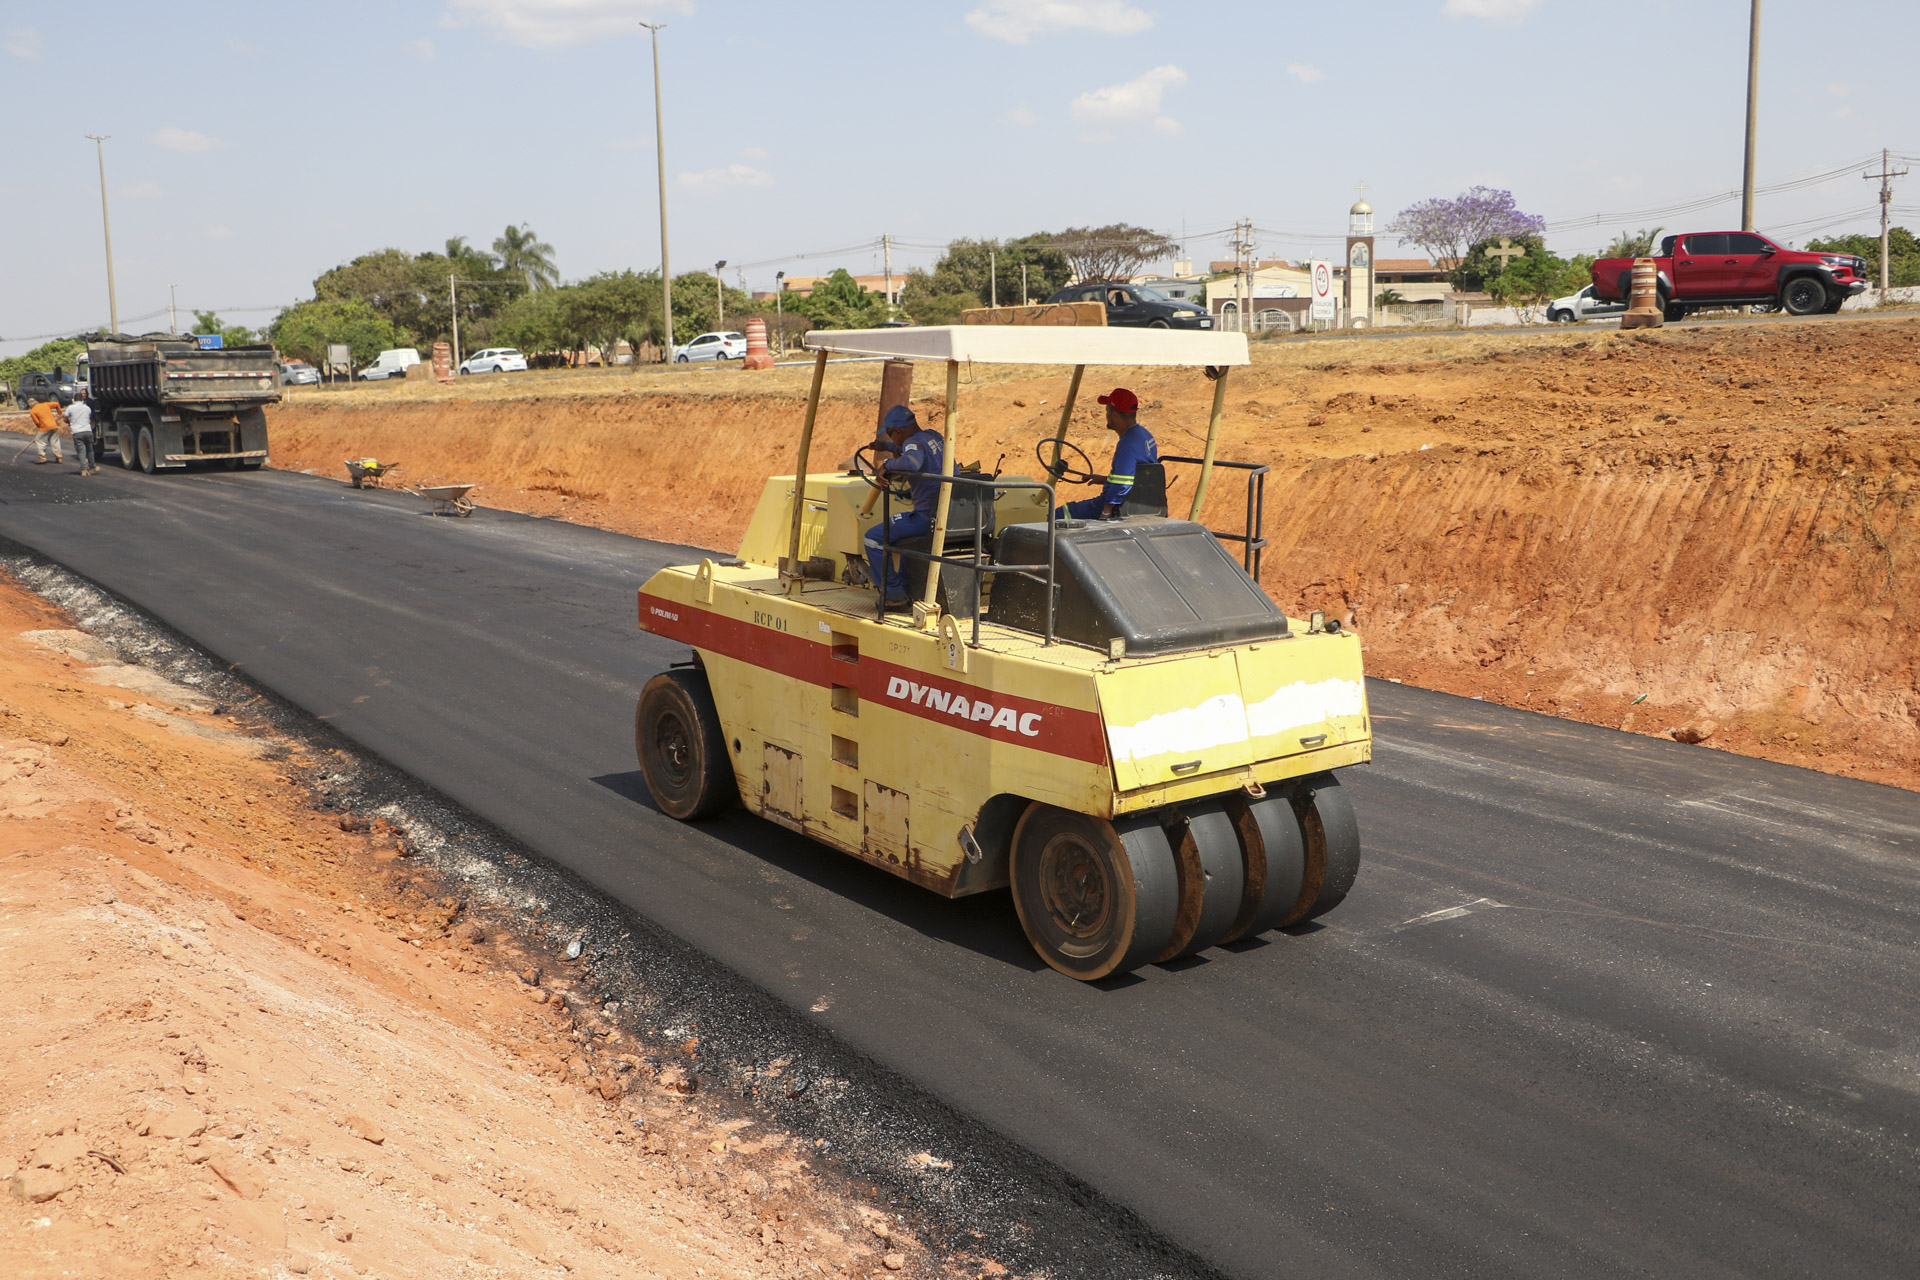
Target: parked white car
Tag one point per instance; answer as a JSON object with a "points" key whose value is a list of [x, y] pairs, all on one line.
{"points": [[1582, 306], [495, 360], [713, 346]]}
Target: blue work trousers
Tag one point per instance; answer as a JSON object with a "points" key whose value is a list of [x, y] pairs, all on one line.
{"points": [[909, 525]]}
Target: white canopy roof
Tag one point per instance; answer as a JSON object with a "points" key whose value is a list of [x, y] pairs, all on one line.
{"points": [[1037, 344]]}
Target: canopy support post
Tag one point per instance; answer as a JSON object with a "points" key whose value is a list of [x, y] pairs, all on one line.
{"points": [[791, 569], [949, 431], [1213, 438], [1066, 412]]}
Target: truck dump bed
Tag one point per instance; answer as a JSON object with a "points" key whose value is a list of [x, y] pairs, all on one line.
{"points": [[162, 370]]}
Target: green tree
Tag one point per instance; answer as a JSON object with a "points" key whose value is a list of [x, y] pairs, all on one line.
{"points": [[61, 353], [231, 335], [303, 331], [601, 310], [1633, 244], [522, 253], [1389, 298], [925, 302], [1112, 252], [1903, 256], [695, 304], [1529, 283], [534, 322], [838, 302]]}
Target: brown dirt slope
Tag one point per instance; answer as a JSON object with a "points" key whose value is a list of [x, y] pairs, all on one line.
{"points": [[242, 1040], [1720, 518]]}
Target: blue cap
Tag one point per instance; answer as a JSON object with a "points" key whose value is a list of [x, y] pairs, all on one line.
{"points": [[899, 418]]}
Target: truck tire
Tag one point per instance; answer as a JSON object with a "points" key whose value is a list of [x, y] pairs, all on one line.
{"points": [[149, 460], [129, 456], [1803, 296], [682, 749], [1672, 311], [1095, 898]]}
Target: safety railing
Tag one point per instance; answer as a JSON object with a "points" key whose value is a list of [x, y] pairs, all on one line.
{"points": [[978, 563], [1252, 539]]}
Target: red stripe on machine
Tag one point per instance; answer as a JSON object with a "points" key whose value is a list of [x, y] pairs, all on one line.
{"points": [[987, 713]]}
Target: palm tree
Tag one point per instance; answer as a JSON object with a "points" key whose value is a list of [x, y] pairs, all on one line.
{"points": [[525, 254]]}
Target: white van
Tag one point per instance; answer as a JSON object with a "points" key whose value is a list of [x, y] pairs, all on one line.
{"points": [[392, 364]]}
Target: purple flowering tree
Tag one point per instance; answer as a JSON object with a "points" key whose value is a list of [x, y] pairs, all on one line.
{"points": [[1447, 229]]}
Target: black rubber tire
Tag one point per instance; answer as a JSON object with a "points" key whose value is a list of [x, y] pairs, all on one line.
{"points": [[1276, 864], [1556, 316], [129, 454], [149, 456], [1213, 879], [1158, 324], [1833, 306], [1331, 834], [1626, 287], [1803, 296], [683, 753], [1672, 311], [1095, 898], [252, 464], [680, 360]]}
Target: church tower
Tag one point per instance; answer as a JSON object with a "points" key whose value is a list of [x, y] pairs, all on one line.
{"points": [[1360, 292]]}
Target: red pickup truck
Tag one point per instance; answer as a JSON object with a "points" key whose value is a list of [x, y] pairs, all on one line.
{"points": [[1738, 268]]}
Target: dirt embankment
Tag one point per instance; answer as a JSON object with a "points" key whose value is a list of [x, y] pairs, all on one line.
{"points": [[240, 1039], [1720, 519]]}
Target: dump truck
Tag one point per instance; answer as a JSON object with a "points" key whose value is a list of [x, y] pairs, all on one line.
{"points": [[163, 403], [1109, 717]]}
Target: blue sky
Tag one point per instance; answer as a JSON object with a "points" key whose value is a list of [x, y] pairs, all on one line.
{"points": [[254, 146]]}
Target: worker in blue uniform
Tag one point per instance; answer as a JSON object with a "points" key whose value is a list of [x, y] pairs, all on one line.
{"points": [[917, 452], [1134, 446]]}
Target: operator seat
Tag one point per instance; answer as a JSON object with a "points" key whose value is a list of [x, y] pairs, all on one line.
{"points": [[1148, 497]]}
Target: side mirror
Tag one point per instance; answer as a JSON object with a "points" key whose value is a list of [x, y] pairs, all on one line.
{"points": [[1770, 249]]}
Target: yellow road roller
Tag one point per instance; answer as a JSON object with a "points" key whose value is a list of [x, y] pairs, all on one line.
{"points": [[1109, 716]]}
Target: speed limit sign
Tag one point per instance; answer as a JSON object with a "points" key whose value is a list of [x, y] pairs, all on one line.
{"points": [[1322, 308]]}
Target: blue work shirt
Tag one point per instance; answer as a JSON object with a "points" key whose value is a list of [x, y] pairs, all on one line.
{"points": [[921, 453], [1135, 447]]}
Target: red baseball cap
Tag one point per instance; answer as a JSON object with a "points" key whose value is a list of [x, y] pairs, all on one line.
{"points": [[1122, 399]]}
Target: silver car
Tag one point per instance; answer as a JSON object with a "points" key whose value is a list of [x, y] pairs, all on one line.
{"points": [[713, 346]]}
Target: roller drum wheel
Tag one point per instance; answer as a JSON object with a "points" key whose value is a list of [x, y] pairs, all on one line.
{"points": [[683, 753], [1095, 898], [1332, 838], [1212, 870], [1276, 864]]}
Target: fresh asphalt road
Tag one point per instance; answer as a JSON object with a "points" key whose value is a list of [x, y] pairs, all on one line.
{"points": [[1598, 1004]]}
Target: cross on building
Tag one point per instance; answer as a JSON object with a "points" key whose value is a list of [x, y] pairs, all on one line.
{"points": [[1507, 252]]}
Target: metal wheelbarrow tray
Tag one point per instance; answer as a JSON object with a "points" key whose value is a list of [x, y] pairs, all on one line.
{"points": [[448, 499]]}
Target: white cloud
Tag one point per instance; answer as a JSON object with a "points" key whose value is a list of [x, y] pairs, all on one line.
{"points": [[731, 175], [1839, 90], [1843, 112], [1134, 104], [172, 139], [1305, 73], [1021, 116], [755, 153], [1506, 12], [142, 191], [218, 232], [23, 42], [423, 49], [556, 24], [1018, 21]]}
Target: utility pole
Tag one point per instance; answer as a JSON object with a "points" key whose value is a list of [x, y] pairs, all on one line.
{"points": [[1025, 301], [1886, 175], [1753, 116], [886, 261], [173, 308], [660, 153], [453, 307], [720, 293], [106, 227], [993, 279]]}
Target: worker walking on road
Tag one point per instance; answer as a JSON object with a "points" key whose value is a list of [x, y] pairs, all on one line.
{"points": [[80, 426], [918, 452], [47, 418], [1134, 446]]}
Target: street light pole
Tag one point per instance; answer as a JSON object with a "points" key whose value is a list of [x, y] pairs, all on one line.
{"points": [[106, 227], [720, 292], [1753, 112], [173, 308], [660, 154]]}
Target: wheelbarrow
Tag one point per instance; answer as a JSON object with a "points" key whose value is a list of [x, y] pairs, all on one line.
{"points": [[448, 499], [366, 473]]}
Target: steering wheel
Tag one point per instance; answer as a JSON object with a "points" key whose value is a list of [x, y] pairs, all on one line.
{"points": [[1063, 469], [866, 465]]}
